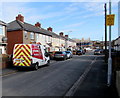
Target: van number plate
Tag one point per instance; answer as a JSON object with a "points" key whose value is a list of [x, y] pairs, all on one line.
{"points": [[18, 60]]}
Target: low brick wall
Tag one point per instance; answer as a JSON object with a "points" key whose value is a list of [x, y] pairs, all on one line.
{"points": [[118, 81], [3, 61]]}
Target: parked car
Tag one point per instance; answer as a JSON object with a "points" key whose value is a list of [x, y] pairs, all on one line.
{"points": [[83, 51], [74, 52], [60, 55], [98, 51], [69, 54], [79, 52], [51, 54]]}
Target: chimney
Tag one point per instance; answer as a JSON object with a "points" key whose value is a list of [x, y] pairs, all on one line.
{"points": [[38, 25], [20, 18], [49, 29], [61, 33], [66, 36]]}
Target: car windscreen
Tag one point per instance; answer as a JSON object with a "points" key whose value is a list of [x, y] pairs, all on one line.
{"points": [[78, 51], [58, 52], [97, 50], [67, 52]]}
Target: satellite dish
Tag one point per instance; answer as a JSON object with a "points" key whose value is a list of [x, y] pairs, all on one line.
{"points": [[4, 39]]}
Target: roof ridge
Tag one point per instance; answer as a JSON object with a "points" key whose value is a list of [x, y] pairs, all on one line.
{"points": [[20, 24]]}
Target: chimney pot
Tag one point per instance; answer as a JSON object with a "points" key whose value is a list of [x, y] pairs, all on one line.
{"points": [[61, 33], [38, 24], [66, 36], [49, 29], [20, 18]]}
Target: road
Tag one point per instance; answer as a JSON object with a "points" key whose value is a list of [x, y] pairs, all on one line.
{"points": [[53, 80]]}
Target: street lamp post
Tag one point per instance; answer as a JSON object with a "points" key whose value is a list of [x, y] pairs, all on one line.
{"points": [[109, 59], [68, 37], [105, 33]]}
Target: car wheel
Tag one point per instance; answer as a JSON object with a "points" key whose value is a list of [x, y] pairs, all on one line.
{"points": [[64, 58]]}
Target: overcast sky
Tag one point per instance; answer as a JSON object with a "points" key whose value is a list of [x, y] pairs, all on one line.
{"points": [[84, 19]]}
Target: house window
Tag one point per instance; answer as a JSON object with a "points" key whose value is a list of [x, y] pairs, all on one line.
{"points": [[25, 33], [31, 35], [1, 30], [49, 39], [37, 36]]}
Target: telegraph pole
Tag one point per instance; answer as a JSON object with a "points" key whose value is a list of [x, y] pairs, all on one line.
{"points": [[105, 34], [109, 59]]}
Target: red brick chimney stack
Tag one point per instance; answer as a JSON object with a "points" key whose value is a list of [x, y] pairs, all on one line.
{"points": [[49, 29], [20, 18], [38, 24], [61, 33]]}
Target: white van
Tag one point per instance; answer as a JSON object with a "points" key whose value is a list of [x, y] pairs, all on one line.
{"points": [[30, 55]]}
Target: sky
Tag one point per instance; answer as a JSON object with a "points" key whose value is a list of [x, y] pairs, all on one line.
{"points": [[78, 19]]}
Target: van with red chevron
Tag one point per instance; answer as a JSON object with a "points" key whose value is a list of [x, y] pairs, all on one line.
{"points": [[30, 55]]}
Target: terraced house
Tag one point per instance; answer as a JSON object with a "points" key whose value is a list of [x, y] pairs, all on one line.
{"points": [[3, 39], [19, 31]]}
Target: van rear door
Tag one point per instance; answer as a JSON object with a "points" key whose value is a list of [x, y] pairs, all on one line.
{"points": [[22, 55]]}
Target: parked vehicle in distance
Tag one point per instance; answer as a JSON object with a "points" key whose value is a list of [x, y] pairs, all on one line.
{"points": [[98, 51], [83, 51], [60, 55], [79, 52], [74, 52], [51, 54], [30, 55], [69, 54]]}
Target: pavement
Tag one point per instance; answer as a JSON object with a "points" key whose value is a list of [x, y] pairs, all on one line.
{"points": [[95, 83], [7, 71]]}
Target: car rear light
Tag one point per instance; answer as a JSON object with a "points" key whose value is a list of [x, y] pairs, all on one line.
{"points": [[62, 54]]}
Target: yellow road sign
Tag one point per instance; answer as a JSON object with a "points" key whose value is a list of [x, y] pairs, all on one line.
{"points": [[110, 19]]}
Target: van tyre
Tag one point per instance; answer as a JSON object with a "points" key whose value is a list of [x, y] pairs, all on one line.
{"points": [[48, 63], [36, 66]]}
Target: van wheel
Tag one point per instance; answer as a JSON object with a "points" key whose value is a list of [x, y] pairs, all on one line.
{"points": [[36, 66], [48, 63]]}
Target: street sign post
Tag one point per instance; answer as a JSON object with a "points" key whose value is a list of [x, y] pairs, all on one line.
{"points": [[110, 19], [110, 22]]}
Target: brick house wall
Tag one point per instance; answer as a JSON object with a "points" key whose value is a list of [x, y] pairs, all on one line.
{"points": [[27, 39], [14, 37]]}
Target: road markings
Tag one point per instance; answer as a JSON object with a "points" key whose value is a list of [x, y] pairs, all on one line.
{"points": [[76, 85]]}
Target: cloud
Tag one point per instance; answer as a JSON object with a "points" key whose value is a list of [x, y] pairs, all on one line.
{"points": [[44, 16], [74, 25], [11, 10]]}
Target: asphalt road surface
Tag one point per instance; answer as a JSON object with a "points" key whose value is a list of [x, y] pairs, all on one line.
{"points": [[53, 80]]}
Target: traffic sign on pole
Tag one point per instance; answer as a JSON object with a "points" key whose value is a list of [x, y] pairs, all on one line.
{"points": [[110, 19]]}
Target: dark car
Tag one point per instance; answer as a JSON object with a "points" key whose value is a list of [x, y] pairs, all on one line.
{"points": [[60, 55], [98, 52], [74, 52], [51, 54], [69, 54], [79, 52]]}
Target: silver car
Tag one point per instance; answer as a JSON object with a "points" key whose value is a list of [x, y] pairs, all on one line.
{"points": [[60, 55], [69, 54]]}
